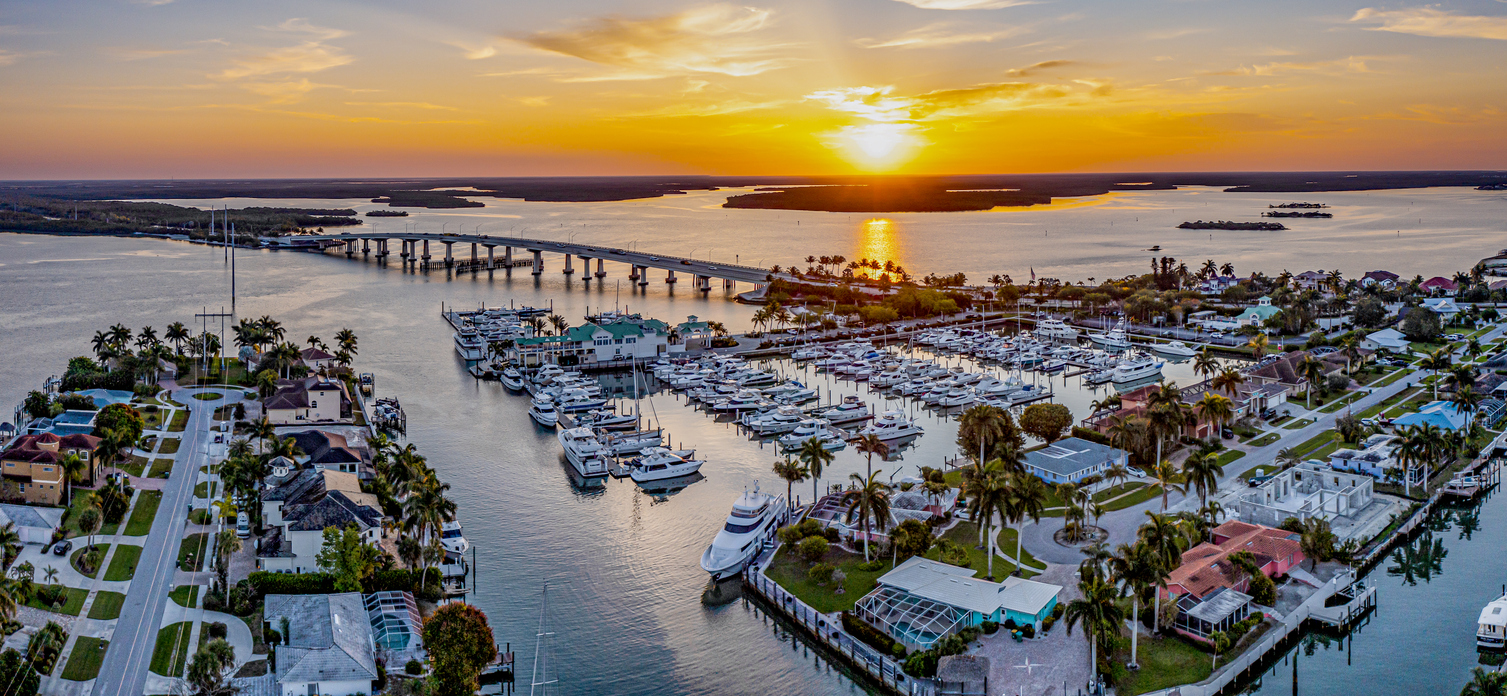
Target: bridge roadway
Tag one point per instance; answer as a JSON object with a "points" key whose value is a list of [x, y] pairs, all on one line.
{"points": [[416, 249]]}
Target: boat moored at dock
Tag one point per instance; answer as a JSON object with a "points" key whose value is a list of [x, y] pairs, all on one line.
{"points": [[752, 522]]}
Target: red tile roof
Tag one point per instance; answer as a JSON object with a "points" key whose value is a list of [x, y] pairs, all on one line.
{"points": [[1206, 567]]}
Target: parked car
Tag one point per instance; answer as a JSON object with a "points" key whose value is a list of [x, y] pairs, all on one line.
{"points": [[242, 525], [62, 548], [1258, 480], [1227, 433], [1269, 414], [1455, 337]]}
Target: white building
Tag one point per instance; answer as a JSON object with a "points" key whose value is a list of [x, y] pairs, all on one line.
{"points": [[1310, 489], [1072, 460], [308, 400], [327, 646], [1445, 307], [1390, 339], [299, 504]]}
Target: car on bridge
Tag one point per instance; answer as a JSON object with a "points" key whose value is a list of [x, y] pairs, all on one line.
{"points": [[684, 262], [619, 252]]}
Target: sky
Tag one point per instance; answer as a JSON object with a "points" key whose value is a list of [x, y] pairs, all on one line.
{"points": [[318, 88]]}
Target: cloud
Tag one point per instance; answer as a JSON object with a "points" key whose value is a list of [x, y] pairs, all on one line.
{"points": [[1431, 21], [1038, 67], [306, 57], [284, 92], [1352, 64], [534, 101], [882, 105], [474, 52], [939, 34], [966, 4], [709, 39], [123, 53], [404, 105], [299, 25], [1169, 34]]}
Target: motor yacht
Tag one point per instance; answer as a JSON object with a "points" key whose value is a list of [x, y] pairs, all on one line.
{"points": [[1099, 376], [1491, 628], [914, 387], [1114, 339], [573, 400], [753, 520], [892, 425], [1056, 329], [543, 412], [619, 444], [470, 345], [1136, 366], [851, 410], [830, 441], [580, 444], [799, 396], [512, 378], [781, 420], [1054, 365], [452, 539], [744, 400], [658, 463], [607, 420], [1175, 349], [547, 374], [957, 396]]}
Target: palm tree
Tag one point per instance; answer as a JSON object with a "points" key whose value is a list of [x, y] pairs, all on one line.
{"points": [[870, 500], [1484, 683], [10, 542], [264, 432], [1116, 472], [1162, 536], [1312, 371], [346, 339], [1134, 566], [792, 472], [1169, 479], [1228, 381], [1258, 345], [1205, 364], [1467, 399], [559, 323], [101, 343], [74, 468], [978, 428], [1216, 409], [1099, 611], [991, 497], [1436, 362], [815, 457], [1202, 472], [177, 333], [227, 544], [870, 445]]}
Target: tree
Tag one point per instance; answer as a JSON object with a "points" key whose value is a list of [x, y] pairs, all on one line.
{"points": [[74, 468], [460, 645], [1317, 541], [16, 670], [815, 457], [1228, 381], [983, 430], [1098, 610], [1205, 364], [1216, 409], [1135, 566], [990, 496], [870, 445], [1421, 325], [210, 672], [1202, 472], [89, 521], [869, 499], [346, 556], [1482, 682], [1258, 345], [37, 405], [911, 538], [227, 544], [792, 472], [122, 420], [1166, 541], [1046, 421], [1028, 498], [1312, 371]]}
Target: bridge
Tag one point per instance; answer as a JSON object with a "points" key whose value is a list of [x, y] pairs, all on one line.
{"points": [[414, 251]]}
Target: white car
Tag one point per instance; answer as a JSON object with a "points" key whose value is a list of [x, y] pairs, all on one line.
{"points": [[242, 525]]}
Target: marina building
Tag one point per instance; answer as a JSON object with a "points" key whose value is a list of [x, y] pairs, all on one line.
{"points": [[328, 646], [921, 601], [1073, 459], [1255, 316], [1310, 489], [621, 338]]}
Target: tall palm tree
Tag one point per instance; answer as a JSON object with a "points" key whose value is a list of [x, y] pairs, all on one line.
{"points": [[1228, 381], [791, 471], [1116, 472], [991, 498], [1028, 498], [346, 339], [1161, 535], [1202, 472], [1216, 409], [177, 333], [815, 457], [1099, 611], [1312, 371], [1134, 566], [264, 432], [870, 500], [1169, 479], [978, 428], [1436, 362], [1206, 364], [870, 445], [1258, 345], [10, 542], [74, 468], [1467, 399]]}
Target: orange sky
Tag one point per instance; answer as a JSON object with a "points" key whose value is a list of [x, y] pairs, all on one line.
{"points": [[197, 89]]}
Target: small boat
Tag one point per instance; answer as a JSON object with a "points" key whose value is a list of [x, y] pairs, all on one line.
{"points": [[957, 396], [1053, 366], [452, 539], [892, 425], [781, 420], [1175, 349], [1099, 376], [543, 412], [752, 522], [658, 463], [607, 420], [1491, 628], [512, 379], [830, 441]]}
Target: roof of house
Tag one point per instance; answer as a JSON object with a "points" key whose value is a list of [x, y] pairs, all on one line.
{"points": [[1027, 596], [1440, 413], [294, 393], [1439, 283], [326, 448], [954, 586], [27, 516], [336, 509], [1220, 605], [1206, 567], [1283, 369], [1381, 276], [312, 354], [1387, 337], [1261, 311], [1072, 455], [329, 638], [1442, 305], [47, 448]]}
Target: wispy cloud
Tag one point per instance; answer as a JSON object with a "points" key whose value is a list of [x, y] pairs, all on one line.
{"points": [[710, 39], [882, 105], [938, 35], [1169, 34], [143, 53], [8, 57], [474, 52], [299, 25], [152, 3], [404, 105], [1352, 64], [1039, 67], [967, 4], [1432, 21], [306, 57], [284, 92], [311, 55]]}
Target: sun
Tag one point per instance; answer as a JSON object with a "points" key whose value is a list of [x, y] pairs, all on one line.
{"points": [[879, 146]]}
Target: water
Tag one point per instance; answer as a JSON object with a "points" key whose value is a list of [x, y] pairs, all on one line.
{"points": [[1421, 639]]}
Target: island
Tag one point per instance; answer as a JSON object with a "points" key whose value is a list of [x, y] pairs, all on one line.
{"points": [[1299, 205], [883, 198], [387, 213], [1292, 214], [1230, 225]]}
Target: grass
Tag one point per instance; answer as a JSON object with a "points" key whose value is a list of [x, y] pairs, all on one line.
{"points": [[143, 513], [1266, 439], [70, 527], [203, 489], [1393, 378], [1298, 424], [1263, 470], [789, 571], [1337, 404], [88, 654], [207, 396], [106, 605], [73, 601], [171, 652], [200, 516], [1006, 547], [180, 421], [1165, 662], [1230, 456], [1365, 377], [1117, 491], [1384, 405], [170, 445], [73, 558], [123, 565], [194, 546], [185, 595], [161, 468], [1135, 498], [1315, 443], [135, 466]]}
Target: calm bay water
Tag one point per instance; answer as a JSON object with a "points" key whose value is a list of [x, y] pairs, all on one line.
{"points": [[626, 591]]}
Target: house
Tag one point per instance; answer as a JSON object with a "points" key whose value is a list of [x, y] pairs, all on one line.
{"points": [[693, 330], [921, 601], [622, 337], [1310, 489], [299, 504], [34, 464], [1257, 315], [1310, 280], [316, 359], [1383, 279], [1282, 369], [1437, 285], [1376, 458], [327, 644], [1073, 459], [1443, 414], [1218, 284], [69, 422], [308, 400], [914, 504], [34, 525], [1207, 576], [1390, 339], [1251, 397], [1445, 307], [326, 450]]}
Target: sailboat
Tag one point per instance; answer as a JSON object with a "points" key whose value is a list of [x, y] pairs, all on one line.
{"points": [[540, 682]]}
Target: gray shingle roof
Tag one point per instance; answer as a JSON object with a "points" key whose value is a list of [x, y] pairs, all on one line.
{"points": [[329, 638], [1073, 455]]}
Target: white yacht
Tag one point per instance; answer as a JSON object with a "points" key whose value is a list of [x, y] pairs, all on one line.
{"points": [[580, 444], [1056, 329], [892, 425], [744, 400], [957, 396], [851, 410], [619, 444], [830, 440], [1491, 629], [1175, 349], [543, 412], [1113, 339], [754, 519], [452, 539], [781, 420], [658, 463], [1136, 366], [512, 379], [470, 345]]}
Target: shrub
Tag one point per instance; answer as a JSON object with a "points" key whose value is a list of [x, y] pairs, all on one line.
{"points": [[1048, 622], [821, 573], [1010, 624], [1028, 630], [790, 534], [1090, 435], [813, 548], [921, 664], [867, 634], [990, 627], [413, 667], [1058, 610], [217, 630], [831, 535], [871, 566]]}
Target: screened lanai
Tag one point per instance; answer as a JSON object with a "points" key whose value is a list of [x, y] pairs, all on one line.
{"points": [[910, 619]]}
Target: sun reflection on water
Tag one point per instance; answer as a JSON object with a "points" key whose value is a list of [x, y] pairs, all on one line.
{"points": [[879, 243]]}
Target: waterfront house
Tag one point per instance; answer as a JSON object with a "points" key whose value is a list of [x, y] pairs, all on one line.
{"points": [[308, 400], [621, 338], [695, 331], [1310, 280], [1073, 459], [1311, 489], [914, 504], [1445, 307], [1437, 285], [1257, 315], [326, 450], [34, 464], [1443, 414], [1284, 369], [1206, 574], [1383, 279], [327, 646], [1389, 339], [1218, 284], [70, 422], [298, 504], [1251, 397], [316, 359], [921, 601]]}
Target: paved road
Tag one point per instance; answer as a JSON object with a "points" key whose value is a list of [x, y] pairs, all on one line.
{"points": [[124, 672]]}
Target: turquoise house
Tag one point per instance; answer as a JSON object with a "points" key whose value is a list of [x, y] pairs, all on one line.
{"points": [[922, 601], [1256, 316]]}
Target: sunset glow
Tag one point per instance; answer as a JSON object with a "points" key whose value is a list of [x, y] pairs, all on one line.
{"points": [[161, 88]]}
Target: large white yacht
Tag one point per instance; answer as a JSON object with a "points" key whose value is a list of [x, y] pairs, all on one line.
{"points": [[470, 345], [512, 379], [543, 412], [1113, 339], [754, 518], [452, 539], [892, 425], [851, 410], [658, 463], [1491, 628], [1136, 366], [1056, 329], [1175, 349], [584, 452]]}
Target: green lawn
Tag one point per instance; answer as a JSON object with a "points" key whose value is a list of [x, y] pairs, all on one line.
{"points": [[1230, 456], [1366, 377], [171, 652], [169, 445], [123, 565], [73, 601], [84, 663], [143, 513], [180, 421], [70, 527], [1262, 470], [789, 571], [135, 466], [184, 595], [161, 468], [207, 396], [1006, 542], [1384, 405], [1266, 439], [106, 605], [78, 552], [1337, 404], [194, 546], [1298, 424], [1134, 498], [203, 489], [1315, 443], [1393, 377], [1118, 490], [1166, 662]]}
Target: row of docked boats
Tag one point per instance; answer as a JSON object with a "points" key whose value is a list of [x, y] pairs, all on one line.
{"points": [[477, 331]]}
